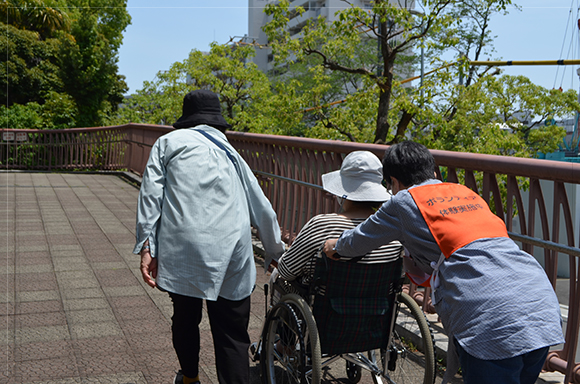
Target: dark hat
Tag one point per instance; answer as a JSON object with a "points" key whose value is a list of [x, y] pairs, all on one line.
{"points": [[201, 107]]}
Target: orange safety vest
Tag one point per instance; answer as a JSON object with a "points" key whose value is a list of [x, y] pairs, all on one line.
{"points": [[456, 216]]}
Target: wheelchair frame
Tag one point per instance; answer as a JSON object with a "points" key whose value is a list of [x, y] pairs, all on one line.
{"points": [[289, 347]]}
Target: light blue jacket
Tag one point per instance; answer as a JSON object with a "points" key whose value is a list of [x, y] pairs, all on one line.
{"points": [[197, 212]]}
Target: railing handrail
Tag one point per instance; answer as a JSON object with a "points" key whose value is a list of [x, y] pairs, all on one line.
{"points": [[161, 128], [538, 168]]}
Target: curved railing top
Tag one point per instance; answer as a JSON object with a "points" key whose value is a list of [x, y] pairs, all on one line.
{"points": [[513, 166], [535, 168], [152, 127]]}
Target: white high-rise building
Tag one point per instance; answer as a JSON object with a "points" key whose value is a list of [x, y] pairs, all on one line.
{"points": [[312, 9]]}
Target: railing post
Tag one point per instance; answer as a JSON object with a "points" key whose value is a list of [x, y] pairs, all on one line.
{"points": [[50, 152]]}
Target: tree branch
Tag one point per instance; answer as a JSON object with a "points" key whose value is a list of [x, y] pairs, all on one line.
{"points": [[402, 127], [329, 64], [330, 124]]}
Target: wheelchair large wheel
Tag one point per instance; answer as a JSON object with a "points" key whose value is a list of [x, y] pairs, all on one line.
{"points": [[291, 347], [410, 357]]}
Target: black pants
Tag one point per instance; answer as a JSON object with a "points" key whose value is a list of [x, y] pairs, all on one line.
{"points": [[229, 327]]}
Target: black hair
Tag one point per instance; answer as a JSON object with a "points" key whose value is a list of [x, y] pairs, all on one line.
{"points": [[409, 162], [368, 204]]}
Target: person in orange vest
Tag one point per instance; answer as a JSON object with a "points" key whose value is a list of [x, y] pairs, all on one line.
{"points": [[495, 301]]}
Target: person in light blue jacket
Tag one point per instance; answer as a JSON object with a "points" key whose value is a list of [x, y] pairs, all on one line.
{"points": [[197, 204]]}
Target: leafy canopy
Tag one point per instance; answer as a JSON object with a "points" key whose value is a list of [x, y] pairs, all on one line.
{"points": [[225, 70], [62, 55], [458, 107]]}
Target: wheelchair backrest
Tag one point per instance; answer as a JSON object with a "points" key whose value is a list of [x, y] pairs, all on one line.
{"points": [[355, 312]]}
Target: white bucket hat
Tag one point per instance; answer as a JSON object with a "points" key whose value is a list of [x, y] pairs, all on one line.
{"points": [[359, 178]]}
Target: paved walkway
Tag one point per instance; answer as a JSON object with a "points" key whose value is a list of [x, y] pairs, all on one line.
{"points": [[74, 308]]}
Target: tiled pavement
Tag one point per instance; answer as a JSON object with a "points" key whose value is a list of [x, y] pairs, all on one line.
{"points": [[74, 308]]}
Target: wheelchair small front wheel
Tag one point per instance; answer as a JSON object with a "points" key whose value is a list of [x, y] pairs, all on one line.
{"points": [[353, 372]]}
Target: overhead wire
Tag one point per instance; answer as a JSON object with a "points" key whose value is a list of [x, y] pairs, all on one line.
{"points": [[564, 69], [563, 43], [570, 48]]}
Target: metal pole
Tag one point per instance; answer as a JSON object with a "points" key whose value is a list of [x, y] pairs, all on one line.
{"points": [[525, 62], [573, 144], [422, 72]]}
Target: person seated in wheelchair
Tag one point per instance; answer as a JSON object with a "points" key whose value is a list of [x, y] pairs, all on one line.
{"points": [[360, 192]]}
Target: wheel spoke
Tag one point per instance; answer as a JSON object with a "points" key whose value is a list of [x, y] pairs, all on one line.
{"points": [[291, 347], [410, 357]]}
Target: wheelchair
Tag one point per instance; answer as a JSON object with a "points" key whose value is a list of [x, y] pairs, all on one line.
{"points": [[350, 311]]}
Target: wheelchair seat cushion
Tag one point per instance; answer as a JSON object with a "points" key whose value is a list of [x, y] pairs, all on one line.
{"points": [[355, 313]]}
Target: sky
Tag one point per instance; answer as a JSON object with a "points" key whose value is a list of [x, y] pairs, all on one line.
{"points": [[165, 31]]}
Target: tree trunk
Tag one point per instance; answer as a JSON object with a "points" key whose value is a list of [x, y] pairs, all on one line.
{"points": [[387, 56], [402, 127], [383, 126]]}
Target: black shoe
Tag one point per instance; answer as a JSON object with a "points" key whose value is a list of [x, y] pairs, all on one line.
{"points": [[179, 378], [254, 352]]}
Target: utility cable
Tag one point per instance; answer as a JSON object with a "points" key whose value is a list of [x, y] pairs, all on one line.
{"points": [[563, 42]]}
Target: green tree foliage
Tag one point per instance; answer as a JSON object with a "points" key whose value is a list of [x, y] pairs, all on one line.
{"points": [[43, 16], [19, 116], [88, 63], [459, 107], [29, 67], [226, 70], [395, 27], [500, 115], [31, 90], [330, 104], [57, 112], [62, 55], [474, 108], [496, 115]]}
